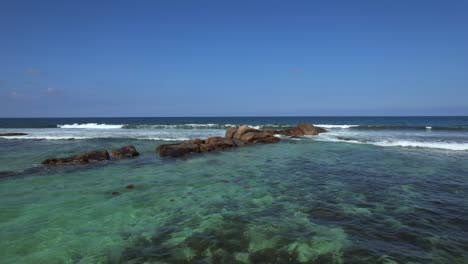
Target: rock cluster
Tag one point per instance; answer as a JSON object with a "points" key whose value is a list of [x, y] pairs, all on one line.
{"points": [[94, 156], [234, 137]]}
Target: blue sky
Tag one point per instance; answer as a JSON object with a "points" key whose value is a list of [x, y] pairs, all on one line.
{"points": [[233, 58]]}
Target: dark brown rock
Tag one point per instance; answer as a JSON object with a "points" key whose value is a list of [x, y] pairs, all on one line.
{"points": [[302, 130], [130, 187], [198, 141], [272, 131], [12, 134], [292, 132], [89, 157], [220, 141], [308, 129], [207, 148], [197, 145], [263, 134], [178, 150], [259, 137], [94, 156], [235, 137], [242, 130], [270, 139], [230, 132], [248, 137], [217, 143], [321, 130], [125, 152]]}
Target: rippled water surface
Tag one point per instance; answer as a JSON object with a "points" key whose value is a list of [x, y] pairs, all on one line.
{"points": [[298, 201]]}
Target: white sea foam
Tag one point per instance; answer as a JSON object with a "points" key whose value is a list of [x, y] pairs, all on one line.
{"points": [[43, 137], [416, 144], [143, 134], [165, 139], [90, 126], [328, 138], [398, 143], [335, 126], [166, 126], [428, 128], [201, 125]]}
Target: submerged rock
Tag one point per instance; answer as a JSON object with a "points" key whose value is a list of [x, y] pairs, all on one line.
{"points": [[12, 134], [6, 174], [89, 157], [125, 152]]}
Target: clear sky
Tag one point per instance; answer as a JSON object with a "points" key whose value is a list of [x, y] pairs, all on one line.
{"points": [[233, 58]]}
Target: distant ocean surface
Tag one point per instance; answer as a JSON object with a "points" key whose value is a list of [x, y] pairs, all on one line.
{"points": [[371, 190]]}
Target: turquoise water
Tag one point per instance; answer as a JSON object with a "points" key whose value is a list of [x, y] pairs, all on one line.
{"points": [[311, 200]]}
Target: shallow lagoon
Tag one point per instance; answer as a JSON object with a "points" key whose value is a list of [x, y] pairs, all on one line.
{"points": [[299, 201]]}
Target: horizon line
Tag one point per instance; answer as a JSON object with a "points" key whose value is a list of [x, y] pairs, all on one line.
{"points": [[235, 116]]}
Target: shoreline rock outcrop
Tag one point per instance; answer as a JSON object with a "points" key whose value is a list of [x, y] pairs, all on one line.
{"points": [[126, 152], [235, 137], [94, 156], [89, 157], [196, 146], [12, 134]]}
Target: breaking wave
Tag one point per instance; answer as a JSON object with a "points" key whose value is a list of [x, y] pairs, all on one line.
{"points": [[265, 126], [416, 144], [163, 126], [40, 137], [336, 126], [91, 126], [399, 143], [429, 128]]}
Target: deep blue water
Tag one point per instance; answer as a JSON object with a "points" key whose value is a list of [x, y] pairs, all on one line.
{"points": [[434, 121], [371, 190]]}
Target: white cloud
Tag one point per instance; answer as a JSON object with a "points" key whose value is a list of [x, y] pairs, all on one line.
{"points": [[35, 72], [23, 96], [34, 95], [50, 91]]}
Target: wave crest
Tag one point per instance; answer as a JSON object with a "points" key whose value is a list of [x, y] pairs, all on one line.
{"points": [[417, 144], [400, 143], [91, 126], [336, 126]]}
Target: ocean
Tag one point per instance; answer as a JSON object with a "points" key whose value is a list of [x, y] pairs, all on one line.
{"points": [[371, 190]]}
